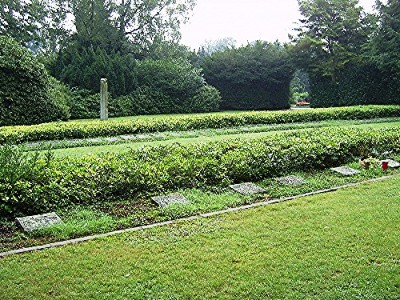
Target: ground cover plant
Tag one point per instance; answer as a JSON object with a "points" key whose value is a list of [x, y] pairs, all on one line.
{"points": [[119, 145], [331, 246], [107, 177], [126, 142], [95, 128], [81, 220]]}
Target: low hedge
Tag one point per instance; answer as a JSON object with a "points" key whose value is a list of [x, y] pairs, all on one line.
{"points": [[86, 129], [29, 184]]}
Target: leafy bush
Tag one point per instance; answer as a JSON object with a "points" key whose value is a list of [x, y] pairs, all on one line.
{"points": [[82, 68], [90, 179], [66, 130], [172, 86], [84, 104], [24, 88], [256, 76], [61, 95], [207, 99], [359, 84]]}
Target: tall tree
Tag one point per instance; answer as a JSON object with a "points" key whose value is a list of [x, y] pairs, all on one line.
{"points": [[331, 34], [385, 43], [22, 20], [142, 21]]}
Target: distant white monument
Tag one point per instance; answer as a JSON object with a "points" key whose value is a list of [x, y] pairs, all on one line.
{"points": [[103, 99]]}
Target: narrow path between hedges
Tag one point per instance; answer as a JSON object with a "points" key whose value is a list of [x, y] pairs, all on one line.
{"points": [[203, 215], [124, 142]]}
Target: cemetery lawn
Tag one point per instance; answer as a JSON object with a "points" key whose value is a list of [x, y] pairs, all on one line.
{"points": [[340, 245], [249, 132]]}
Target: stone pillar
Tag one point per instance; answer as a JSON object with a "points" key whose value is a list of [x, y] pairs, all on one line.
{"points": [[103, 99]]}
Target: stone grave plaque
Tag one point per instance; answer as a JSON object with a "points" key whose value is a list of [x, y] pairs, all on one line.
{"points": [[346, 171], [291, 180], [393, 163], [163, 201], [247, 188], [38, 221]]}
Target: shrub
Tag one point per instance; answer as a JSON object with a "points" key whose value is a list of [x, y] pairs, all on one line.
{"points": [[59, 182], [359, 84], [84, 104], [61, 95], [82, 68], [207, 99], [24, 88], [253, 77], [170, 86]]}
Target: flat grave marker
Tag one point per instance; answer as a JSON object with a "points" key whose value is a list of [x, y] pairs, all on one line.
{"points": [[345, 171], [291, 180], [164, 201], [247, 188], [35, 222]]}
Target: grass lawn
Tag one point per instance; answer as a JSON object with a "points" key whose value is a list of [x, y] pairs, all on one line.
{"points": [[341, 245], [214, 135]]}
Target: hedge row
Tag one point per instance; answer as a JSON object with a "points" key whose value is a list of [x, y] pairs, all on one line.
{"points": [[29, 184], [85, 129]]}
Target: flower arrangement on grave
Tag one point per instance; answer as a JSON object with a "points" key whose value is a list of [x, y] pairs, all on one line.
{"points": [[368, 161]]}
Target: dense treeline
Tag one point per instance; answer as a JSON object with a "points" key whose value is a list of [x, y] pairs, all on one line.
{"points": [[341, 55], [351, 57]]}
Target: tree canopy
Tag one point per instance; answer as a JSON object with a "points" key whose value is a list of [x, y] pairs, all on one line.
{"points": [[331, 34]]}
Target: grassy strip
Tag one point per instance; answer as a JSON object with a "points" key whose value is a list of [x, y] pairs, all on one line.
{"points": [[187, 138], [341, 245], [86, 220], [138, 139], [73, 129]]}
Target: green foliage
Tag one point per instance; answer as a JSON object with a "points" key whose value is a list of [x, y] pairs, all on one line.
{"points": [[22, 20], [299, 86], [83, 67], [95, 128], [207, 99], [19, 172], [385, 43], [331, 35], [111, 176], [84, 104], [61, 95], [362, 83], [24, 88], [256, 76], [172, 86]]}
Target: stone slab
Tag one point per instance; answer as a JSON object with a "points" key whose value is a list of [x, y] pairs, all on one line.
{"points": [[35, 222], [247, 188], [291, 180], [392, 163], [346, 171], [164, 201]]}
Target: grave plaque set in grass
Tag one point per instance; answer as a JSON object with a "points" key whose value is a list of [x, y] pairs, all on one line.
{"points": [[291, 180], [31, 223], [345, 171], [164, 201], [247, 188]]}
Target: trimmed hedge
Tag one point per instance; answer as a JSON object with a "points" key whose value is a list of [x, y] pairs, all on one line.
{"points": [[29, 185], [360, 84], [67, 130]]}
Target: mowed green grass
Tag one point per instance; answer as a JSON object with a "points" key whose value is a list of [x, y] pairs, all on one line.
{"points": [[80, 151], [341, 245]]}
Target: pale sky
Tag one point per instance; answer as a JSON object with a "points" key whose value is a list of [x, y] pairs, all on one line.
{"points": [[243, 20]]}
